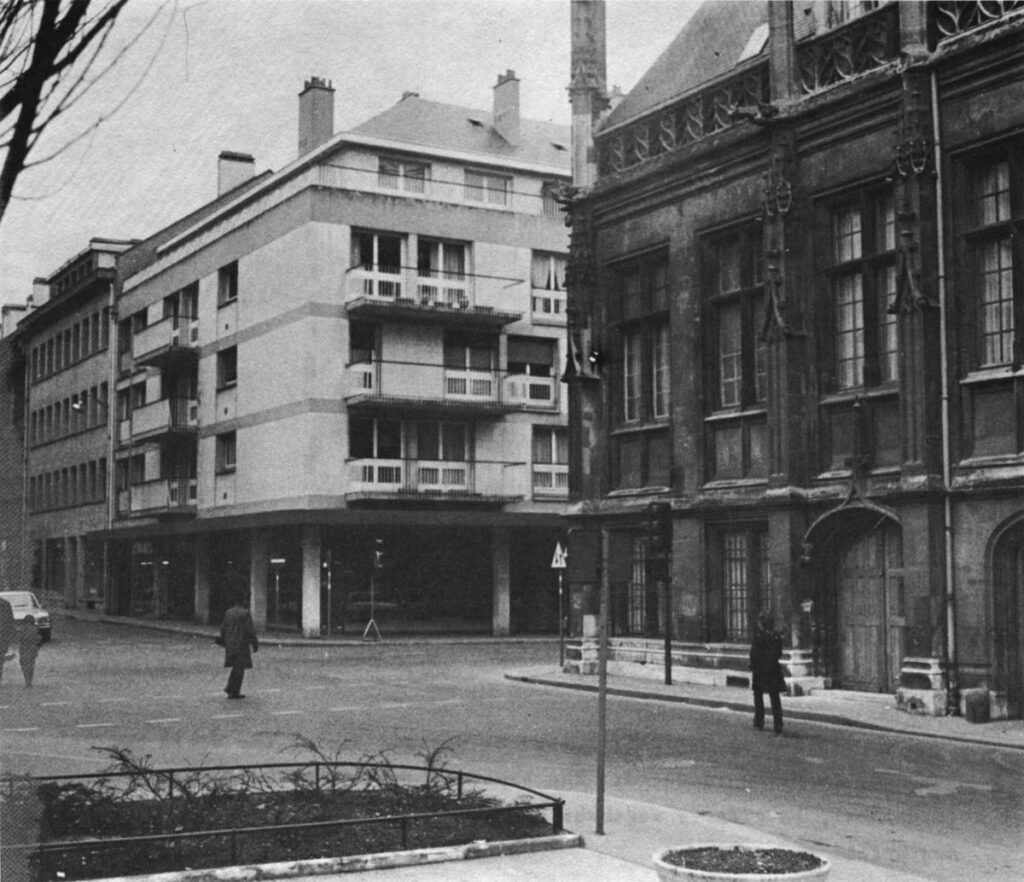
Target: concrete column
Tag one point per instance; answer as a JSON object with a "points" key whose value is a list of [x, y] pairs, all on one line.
{"points": [[202, 583], [258, 578], [80, 568], [70, 572], [159, 581], [502, 577], [311, 581]]}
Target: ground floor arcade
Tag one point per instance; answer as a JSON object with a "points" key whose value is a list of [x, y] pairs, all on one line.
{"points": [[421, 573]]}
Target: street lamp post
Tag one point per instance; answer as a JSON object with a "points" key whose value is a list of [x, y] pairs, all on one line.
{"points": [[277, 563]]}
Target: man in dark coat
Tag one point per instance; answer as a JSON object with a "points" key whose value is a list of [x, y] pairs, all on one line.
{"points": [[237, 636], [766, 671]]}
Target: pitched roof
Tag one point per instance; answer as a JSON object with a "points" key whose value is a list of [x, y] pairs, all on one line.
{"points": [[710, 44], [431, 125]]}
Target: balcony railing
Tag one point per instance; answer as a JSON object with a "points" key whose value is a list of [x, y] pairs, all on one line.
{"points": [[166, 415], [398, 381], [547, 306], [167, 336], [550, 479], [162, 496], [839, 55], [437, 479], [955, 18]]}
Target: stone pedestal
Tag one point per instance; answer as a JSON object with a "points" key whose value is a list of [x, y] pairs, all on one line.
{"points": [[798, 666], [922, 688], [582, 658]]}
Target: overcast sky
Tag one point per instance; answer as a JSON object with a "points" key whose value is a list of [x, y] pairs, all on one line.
{"points": [[213, 75]]}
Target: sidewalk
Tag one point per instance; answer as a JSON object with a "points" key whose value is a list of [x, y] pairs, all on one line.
{"points": [[863, 710]]}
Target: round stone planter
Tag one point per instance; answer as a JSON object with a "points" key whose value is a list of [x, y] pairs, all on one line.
{"points": [[738, 863]]}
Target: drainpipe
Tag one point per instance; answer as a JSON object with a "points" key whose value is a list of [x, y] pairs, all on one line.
{"points": [[952, 698]]}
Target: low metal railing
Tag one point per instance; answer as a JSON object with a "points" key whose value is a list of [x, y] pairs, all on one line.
{"points": [[319, 776]]}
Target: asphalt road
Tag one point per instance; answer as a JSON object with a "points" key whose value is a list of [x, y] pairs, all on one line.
{"points": [[944, 810]]}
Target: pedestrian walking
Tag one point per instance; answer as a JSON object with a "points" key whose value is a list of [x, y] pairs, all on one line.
{"points": [[238, 637], [8, 633], [766, 671], [29, 642]]}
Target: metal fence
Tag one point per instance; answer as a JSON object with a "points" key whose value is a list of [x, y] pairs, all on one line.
{"points": [[60, 827]]}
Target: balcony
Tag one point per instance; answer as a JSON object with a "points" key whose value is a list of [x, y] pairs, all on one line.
{"points": [[162, 497], [488, 482], [166, 342], [393, 293], [435, 389], [165, 417]]}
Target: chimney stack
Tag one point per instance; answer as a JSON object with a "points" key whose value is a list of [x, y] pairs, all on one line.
{"points": [[316, 114], [40, 293], [506, 107], [233, 169]]}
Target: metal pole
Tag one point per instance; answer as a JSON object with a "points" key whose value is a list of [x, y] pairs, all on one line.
{"points": [[667, 588], [602, 681], [561, 620]]}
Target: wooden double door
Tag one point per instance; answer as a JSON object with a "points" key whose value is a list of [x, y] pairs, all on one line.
{"points": [[869, 615], [1008, 620]]}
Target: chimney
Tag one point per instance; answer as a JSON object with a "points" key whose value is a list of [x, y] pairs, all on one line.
{"points": [[316, 114], [233, 169], [40, 293], [506, 107]]}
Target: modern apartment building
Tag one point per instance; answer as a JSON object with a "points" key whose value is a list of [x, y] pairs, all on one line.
{"points": [[796, 302], [64, 341], [341, 386]]}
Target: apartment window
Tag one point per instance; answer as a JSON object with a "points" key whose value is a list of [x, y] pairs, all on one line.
{"points": [[531, 356], [379, 257], [550, 206], [362, 342], [839, 12], [403, 174], [227, 367], [446, 442], [862, 276], [374, 439], [547, 281], [489, 188], [474, 352], [550, 451], [76, 343], [227, 283], [227, 451], [741, 582]]}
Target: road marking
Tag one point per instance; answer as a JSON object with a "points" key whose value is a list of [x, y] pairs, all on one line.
{"points": [[166, 720], [391, 705], [226, 716], [53, 703], [27, 729], [311, 688], [94, 725], [111, 700], [288, 713]]}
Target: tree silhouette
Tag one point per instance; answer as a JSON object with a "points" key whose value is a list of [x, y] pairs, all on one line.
{"points": [[49, 58]]}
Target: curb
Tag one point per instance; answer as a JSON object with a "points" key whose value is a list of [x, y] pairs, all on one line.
{"points": [[743, 707], [361, 862]]}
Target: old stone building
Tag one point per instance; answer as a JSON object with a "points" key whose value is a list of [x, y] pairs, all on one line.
{"points": [[796, 302]]}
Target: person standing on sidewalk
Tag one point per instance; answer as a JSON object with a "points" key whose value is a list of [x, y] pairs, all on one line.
{"points": [[8, 633], [766, 671], [237, 636]]}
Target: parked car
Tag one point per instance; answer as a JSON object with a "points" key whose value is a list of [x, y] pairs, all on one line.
{"points": [[24, 603]]}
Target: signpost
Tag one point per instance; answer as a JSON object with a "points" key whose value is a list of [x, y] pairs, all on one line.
{"points": [[558, 563], [378, 566], [277, 563]]}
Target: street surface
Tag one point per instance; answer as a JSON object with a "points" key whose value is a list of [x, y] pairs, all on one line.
{"points": [[947, 811]]}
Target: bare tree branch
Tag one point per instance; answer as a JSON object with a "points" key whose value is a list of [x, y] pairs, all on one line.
{"points": [[49, 58]]}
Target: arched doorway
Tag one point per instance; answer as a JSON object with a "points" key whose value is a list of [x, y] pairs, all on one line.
{"points": [[859, 558], [1008, 618]]}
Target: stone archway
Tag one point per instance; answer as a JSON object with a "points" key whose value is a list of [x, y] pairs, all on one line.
{"points": [[858, 561], [1008, 618]]}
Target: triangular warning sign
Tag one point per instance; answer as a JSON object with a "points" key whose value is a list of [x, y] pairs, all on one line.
{"points": [[558, 561]]}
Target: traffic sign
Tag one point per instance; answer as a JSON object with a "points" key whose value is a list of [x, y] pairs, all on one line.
{"points": [[558, 561]]}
